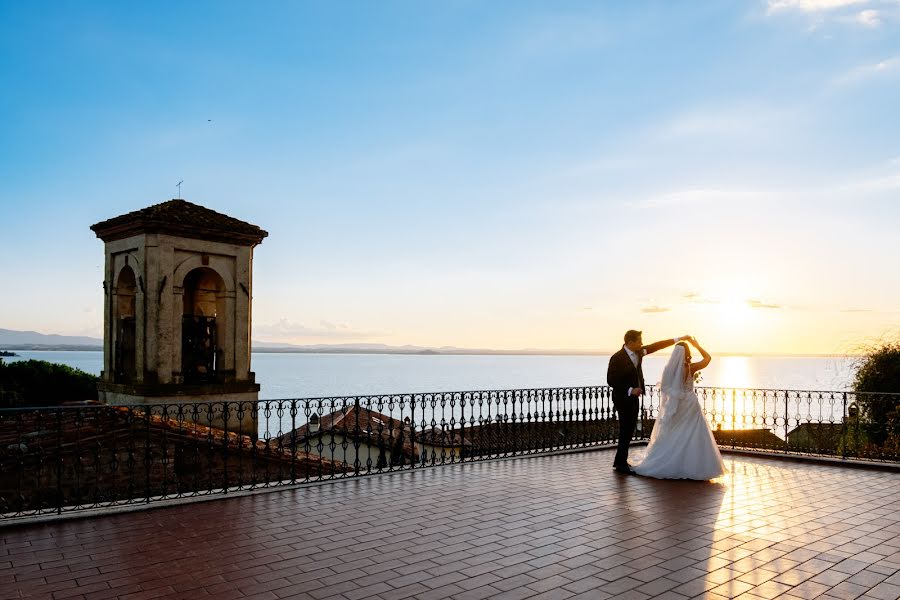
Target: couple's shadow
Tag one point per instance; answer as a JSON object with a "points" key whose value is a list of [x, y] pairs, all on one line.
{"points": [[672, 501], [675, 513]]}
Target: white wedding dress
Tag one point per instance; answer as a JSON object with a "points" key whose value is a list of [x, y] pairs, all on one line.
{"points": [[682, 445]]}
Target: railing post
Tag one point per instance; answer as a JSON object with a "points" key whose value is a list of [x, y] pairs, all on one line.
{"points": [[412, 431], [845, 425], [733, 417], [462, 428], [225, 417], [147, 454], [294, 439], [787, 417], [356, 434], [59, 461]]}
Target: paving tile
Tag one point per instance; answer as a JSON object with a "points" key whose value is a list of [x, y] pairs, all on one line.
{"points": [[771, 589], [846, 589], [548, 583]]}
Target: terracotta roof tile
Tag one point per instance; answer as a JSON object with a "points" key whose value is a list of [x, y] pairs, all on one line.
{"points": [[183, 218], [356, 423]]}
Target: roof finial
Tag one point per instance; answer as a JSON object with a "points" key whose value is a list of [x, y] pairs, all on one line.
{"points": [[178, 185]]}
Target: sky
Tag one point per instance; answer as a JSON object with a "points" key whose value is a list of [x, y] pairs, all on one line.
{"points": [[476, 174]]}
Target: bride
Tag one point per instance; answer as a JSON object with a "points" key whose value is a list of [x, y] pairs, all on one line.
{"points": [[682, 445]]}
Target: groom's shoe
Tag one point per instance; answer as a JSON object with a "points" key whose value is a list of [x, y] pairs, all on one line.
{"points": [[624, 470]]}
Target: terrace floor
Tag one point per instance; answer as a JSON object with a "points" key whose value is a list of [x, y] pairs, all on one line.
{"points": [[562, 526]]}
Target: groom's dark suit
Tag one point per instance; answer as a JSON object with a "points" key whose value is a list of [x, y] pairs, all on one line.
{"points": [[622, 375]]}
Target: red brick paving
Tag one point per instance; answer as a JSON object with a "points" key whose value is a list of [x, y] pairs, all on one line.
{"points": [[552, 527]]}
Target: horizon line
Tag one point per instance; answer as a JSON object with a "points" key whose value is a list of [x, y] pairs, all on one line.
{"points": [[426, 351]]}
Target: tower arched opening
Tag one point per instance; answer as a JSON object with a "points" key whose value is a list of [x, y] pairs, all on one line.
{"points": [[125, 291], [202, 321]]}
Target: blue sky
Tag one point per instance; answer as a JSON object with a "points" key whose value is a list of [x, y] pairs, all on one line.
{"points": [[479, 174]]}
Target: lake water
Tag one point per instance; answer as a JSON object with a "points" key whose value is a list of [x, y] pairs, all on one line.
{"points": [[318, 375]]}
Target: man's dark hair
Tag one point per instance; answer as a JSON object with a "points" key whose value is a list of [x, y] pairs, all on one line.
{"points": [[632, 335]]}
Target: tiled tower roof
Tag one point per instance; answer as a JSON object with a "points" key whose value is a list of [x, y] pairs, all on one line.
{"points": [[182, 218]]}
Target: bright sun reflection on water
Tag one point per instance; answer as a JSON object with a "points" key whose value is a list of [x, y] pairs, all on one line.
{"points": [[732, 372]]}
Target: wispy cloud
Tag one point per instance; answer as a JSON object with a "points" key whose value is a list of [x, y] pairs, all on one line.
{"points": [[285, 330], [731, 121], [700, 196], [855, 310], [810, 6], [655, 309], [745, 121], [869, 18], [873, 184], [754, 303], [883, 68], [873, 15], [694, 298]]}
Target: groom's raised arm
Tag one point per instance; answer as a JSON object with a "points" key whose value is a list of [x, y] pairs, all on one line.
{"points": [[651, 348]]}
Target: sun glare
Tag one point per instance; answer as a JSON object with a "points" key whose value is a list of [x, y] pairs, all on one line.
{"points": [[733, 372], [734, 310]]}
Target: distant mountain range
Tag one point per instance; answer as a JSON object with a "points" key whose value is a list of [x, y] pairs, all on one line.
{"points": [[32, 340]]}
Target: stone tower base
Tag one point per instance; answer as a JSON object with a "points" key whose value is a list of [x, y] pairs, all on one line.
{"points": [[228, 406]]}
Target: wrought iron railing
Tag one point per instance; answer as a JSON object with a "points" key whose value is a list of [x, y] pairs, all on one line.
{"points": [[70, 458], [826, 423]]}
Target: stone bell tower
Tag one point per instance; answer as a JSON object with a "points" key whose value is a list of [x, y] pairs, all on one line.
{"points": [[177, 300]]}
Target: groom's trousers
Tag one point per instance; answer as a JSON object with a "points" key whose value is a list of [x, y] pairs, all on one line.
{"points": [[627, 410]]}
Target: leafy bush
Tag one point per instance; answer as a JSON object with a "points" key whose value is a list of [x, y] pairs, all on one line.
{"points": [[41, 383], [878, 420], [879, 369]]}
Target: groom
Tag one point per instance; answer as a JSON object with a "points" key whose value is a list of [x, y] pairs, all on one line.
{"points": [[626, 378]]}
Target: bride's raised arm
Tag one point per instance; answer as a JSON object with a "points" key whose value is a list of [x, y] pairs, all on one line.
{"points": [[700, 364]]}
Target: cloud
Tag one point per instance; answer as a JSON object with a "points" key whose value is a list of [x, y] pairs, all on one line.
{"points": [[855, 310], [869, 18], [679, 198], [876, 184], [698, 197], [710, 123], [284, 330], [742, 120], [760, 304], [810, 6], [655, 309], [884, 68], [873, 15], [694, 298]]}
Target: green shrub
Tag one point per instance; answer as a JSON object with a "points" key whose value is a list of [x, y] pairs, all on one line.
{"points": [[41, 383], [879, 369], [877, 373]]}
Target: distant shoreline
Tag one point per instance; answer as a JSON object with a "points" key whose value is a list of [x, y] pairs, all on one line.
{"points": [[415, 352]]}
